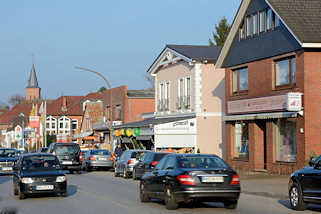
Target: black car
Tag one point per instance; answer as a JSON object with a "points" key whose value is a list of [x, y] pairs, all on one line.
{"points": [[191, 178], [38, 173], [69, 155], [147, 163], [42, 150], [8, 157], [304, 185]]}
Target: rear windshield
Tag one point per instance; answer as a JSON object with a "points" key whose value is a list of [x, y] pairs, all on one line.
{"points": [[7, 153], [201, 162], [137, 154], [66, 149], [158, 157], [32, 163], [100, 152]]}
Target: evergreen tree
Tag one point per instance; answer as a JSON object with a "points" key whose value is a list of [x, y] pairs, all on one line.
{"points": [[220, 34]]}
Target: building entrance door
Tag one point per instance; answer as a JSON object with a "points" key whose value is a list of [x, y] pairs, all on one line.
{"points": [[262, 126]]}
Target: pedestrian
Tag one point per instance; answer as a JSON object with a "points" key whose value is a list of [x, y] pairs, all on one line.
{"points": [[118, 150]]}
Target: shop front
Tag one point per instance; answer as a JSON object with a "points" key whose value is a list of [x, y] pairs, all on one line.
{"points": [[177, 135], [266, 134]]}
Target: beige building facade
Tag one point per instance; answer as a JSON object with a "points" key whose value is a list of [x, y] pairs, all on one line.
{"points": [[191, 93]]}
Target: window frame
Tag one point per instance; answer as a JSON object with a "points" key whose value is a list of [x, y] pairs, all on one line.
{"points": [[291, 84], [245, 158], [238, 91]]}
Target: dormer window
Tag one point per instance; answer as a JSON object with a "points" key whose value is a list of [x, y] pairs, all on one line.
{"points": [[269, 19], [255, 24], [242, 33], [249, 25], [262, 21]]}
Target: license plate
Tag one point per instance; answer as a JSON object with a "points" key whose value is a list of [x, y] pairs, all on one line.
{"points": [[103, 159], [6, 168], [67, 162], [45, 187], [212, 179]]}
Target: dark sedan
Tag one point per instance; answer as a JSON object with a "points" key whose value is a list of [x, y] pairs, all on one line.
{"points": [[38, 173], [8, 157], [305, 185], [191, 178], [147, 164]]}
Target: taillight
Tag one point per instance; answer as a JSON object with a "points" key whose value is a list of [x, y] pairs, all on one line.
{"points": [[130, 162], [186, 180], [80, 156], [92, 158], [111, 158], [235, 180], [154, 163]]}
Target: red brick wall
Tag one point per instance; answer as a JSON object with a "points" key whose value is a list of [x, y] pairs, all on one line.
{"points": [[32, 93], [118, 98], [139, 106], [312, 102]]}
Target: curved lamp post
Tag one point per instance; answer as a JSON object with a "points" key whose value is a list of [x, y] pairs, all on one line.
{"points": [[110, 99]]}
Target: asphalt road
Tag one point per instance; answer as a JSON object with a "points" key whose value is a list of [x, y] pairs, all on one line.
{"points": [[100, 192]]}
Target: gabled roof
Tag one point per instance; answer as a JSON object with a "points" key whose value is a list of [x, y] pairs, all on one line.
{"points": [[188, 53], [9, 115], [301, 17], [33, 82]]}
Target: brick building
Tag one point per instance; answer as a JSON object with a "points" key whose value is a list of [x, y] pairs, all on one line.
{"points": [[272, 58]]}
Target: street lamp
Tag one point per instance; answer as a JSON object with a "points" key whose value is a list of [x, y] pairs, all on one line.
{"points": [[110, 99]]}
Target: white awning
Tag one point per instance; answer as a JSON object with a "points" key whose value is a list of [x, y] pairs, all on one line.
{"points": [[261, 116]]}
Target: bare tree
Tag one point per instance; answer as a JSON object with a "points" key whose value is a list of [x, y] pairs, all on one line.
{"points": [[4, 105], [151, 80], [16, 99]]}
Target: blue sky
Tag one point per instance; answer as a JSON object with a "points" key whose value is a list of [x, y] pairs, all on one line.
{"points": [[120, 39]]}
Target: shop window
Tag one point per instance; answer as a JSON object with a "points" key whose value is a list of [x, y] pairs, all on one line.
{"points": [[285, 140], [241, 140], [240, 80], [285, 72]]}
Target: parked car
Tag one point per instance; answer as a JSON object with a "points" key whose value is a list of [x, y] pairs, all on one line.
{"points": [[124, 166], [147, 163], [38, 173], [69, 155], [8, 157], [191, 177], [42, 149], [304, 185], [98, 158]]}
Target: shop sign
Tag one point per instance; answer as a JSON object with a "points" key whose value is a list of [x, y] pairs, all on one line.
{"points": [[287, 102], [177, 127], [34, 121], [18, 133]]}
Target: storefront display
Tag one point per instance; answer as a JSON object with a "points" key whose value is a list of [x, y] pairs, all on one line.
{"points": [[241, 140], [285, 140]]}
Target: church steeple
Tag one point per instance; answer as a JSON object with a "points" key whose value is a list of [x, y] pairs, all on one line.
{"points": [[33, 82], [33, 90]]}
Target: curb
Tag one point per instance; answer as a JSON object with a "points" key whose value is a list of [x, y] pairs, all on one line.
{"points": [[267, 194]]}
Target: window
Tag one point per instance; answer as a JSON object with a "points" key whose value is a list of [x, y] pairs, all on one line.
{"points": [[269, 19], [249, 26], [255, 24], [47, 125], [262, 21], [285, 72], [240, 80], [242, 32], [164, 90], [61, 125], [276, 21], [241, 140], [118, 112], [53, 125], [74, 124], [167, 97], [285, 140], [188, 93]]}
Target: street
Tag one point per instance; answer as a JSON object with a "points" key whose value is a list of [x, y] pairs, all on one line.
{"points": [[100, 192]]}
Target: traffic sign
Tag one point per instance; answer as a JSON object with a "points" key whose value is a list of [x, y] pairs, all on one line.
{"points": [[18, 133]]}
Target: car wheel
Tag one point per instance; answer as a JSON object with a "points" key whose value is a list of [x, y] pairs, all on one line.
{"points": [[142, 194], [125, 174], [89, 169], [64, 194], [15, 190], [230, 204], [21, 195], [296, 198], [170, 199]]}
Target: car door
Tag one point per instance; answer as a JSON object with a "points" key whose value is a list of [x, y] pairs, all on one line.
{"points": [[152, 180], [164, 177], [310, 180]]}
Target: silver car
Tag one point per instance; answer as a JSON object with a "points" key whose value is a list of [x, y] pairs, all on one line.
{"points": [[97, 158]]}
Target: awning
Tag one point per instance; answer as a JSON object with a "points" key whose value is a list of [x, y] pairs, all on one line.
{"points": [[84, 134], [261, 116]]}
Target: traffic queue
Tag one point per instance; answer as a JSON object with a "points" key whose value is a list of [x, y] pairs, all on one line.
{"points": [[171, 177]]}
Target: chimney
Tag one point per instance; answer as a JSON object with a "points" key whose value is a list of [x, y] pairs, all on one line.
{"points": [[64, 102]]}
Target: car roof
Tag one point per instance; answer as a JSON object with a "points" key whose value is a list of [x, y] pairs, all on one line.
{"points": [[193, 155]]}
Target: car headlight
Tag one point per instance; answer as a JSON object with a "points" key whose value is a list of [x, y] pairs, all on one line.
{"points": [[27, 180], [61, 179]]}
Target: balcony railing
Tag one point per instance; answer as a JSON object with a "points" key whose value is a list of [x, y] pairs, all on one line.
{"points": [[163, 105], [183, 102]]}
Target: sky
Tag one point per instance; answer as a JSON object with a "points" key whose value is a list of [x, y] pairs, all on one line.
{"points": [[119, 39]]}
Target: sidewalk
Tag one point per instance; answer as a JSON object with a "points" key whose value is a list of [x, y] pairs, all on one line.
{"points": [[274, 186]]}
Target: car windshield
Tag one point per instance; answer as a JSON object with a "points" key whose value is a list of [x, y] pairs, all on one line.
{"points": [[7, 153], [100, 152], [159, 156], [201, 162], [32, 163], [66, 149]]}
